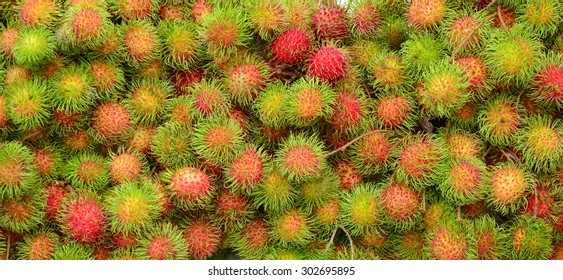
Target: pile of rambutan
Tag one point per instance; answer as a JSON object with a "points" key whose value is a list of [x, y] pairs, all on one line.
{"points": [[281, 129]]}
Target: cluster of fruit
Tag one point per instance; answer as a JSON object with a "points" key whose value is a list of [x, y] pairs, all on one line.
{"points": [[281, 129]]}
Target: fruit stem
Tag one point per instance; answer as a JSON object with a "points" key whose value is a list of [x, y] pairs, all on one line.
{"points": [[351, 242], [344, 147], [459, 213], [501, 19], [8, 246], [331, 240], [506, 155]]}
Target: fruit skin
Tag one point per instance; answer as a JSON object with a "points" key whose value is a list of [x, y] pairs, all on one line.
{"points": [[530, 239], [268, 18], [291, 227], [180, 45], [373, 153], [209, 98], [41, 245], [330, 22], [293, 46], [170, 145], [17, 172], [35, 46], [541, 16], [83, 218], [425, 14], [276, 192], [252, 241], [309, 102], [500, 120], [85, 27], [203, 237], [125, 166], [421, 51], [147, 100], [541, 143], [328, 63], [247, 170], [270, 106], [465, 182], [224, 30], [129, 10], [87, 171], [73, 251], [217, 139], [141, 42], [246, 79], [163, 241], [361, 210], [28, 104], [491, 240], [301, 157], [401, 205], [23, 213], [111, 123], [547, 87], [509, 184], [72, 90], [190, 188], [450, 240]]}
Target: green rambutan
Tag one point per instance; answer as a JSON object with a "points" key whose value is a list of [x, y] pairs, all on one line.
{"points": [[132, 206], [141, 42], [425, 14], [477, 73], [450, 240], [39, 246], [72, 90], [85, 27], [164, 241], [224, 29], [133, 9], [410, 245], [291, 227], [82, 218], [16, 74], [3, 114], [203, 238], [247, 170], [23, 213], [465, 30], [217, 139], [326, 215], [147, 100], [113, 47], [141, 139], [251, 242], [285, 253], [270, 106], [309, 102], [387, 71], [171, 144], [301, 157], [315, 192], [35, 46], [508, 187], [400, 205], [37, 13], [490, 239], [365, 18], [465, 181], [275, 193], [77, 141], [328, 63], [499, 120], [267, 17], [293, 46], [421, 51], [245, 79], [111, 123], [363, 51], [541, 16], [531, 239], [87, 171], [466, 116], [361, 210], [190, 188], [181, 110], [73, 251], [300, 13], [541, 143], [419, 160], [513, 56], [330, 22], [443, 90], [393, 31], [180, 44], [125, 166], [17, 171], [28, 104]]}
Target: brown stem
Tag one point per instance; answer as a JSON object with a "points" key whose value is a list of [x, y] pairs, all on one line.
{"points": [[506, 155], [489, 5], [487, 151], [344, 147], [501, 19], [448, 124], [459, 213], [8, 246], [331, 240], [351, 242]]}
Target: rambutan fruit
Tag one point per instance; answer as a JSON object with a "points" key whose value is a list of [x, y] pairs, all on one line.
{"points": [[361, 210], [547, 87], [208, 98], [73, 251], [251, 242], [183, 80], [35, 46], [326, 215], [267, 17], [171, 146], [542, 202], [365, 18], [443, 90], [301, 157], [108, 77], [47, 161], [125, 166], [531, 239], [247, 170], [77, 141], [541, 143], [125, 240], [163, 241], [393, 31], [350, 111], [541, 16], [363, 51], [476, 71], [466, 181], [181, 110], [190, 188], [141, 139], [450, 240], [16, 74], [23, 213], [349, 176], [317, 191], [246, 79], [513, 56], [557, 252], [328, 63], [147, 100], [285, 253], [300, 13], [291, 227], [8, 38], [421, 51], [463, 145], [490, 239], [28, 104], [217, 139], [410, 245], [507, 191], [466, 116], [3, 114], [55, 192], [39, 246], [270, 106], [85, 27], [330, 22], [111, 123], [500, 120], [172, 12], [395, 111], [505, 17], [419, 160], [275, 193], [425, 14], [17, 172], [82, 218], [180, 44], [387, 71], [72, 90], [199, 9], [309, 102], [132, 206], [113, 47], [232, 210], [141, 42], [372, 154], [37, 13], [224, 29], [87, 171], [292, 46], [465, 30], [130, 10], [203, 238]]}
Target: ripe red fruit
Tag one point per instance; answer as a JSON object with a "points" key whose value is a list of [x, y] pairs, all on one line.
{"points": [[328, 63], [292, 46], [330, 23]]}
